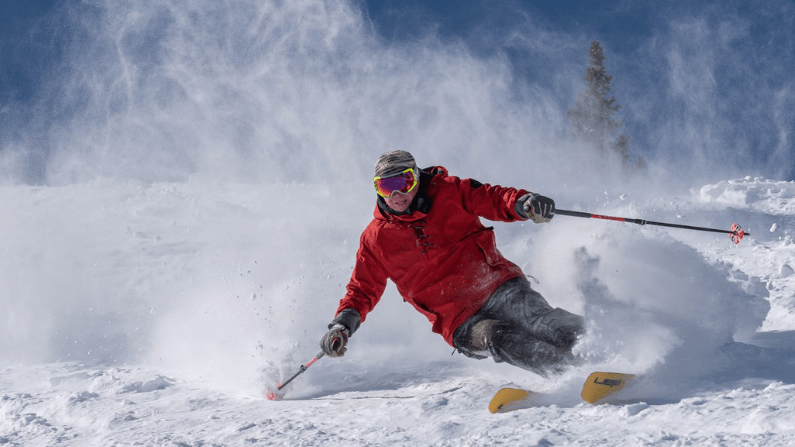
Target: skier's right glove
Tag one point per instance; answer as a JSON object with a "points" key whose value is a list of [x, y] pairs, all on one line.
{"points": [[344, 325], [333, 343]]}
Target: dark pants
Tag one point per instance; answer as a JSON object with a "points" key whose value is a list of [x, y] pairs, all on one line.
{"points": [[516, 325]]}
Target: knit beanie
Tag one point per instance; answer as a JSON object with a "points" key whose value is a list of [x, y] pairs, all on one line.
{"points": [[393, 163]]}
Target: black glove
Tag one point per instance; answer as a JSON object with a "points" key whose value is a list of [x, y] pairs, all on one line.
{"points": [[536, 207], [333, 343]]}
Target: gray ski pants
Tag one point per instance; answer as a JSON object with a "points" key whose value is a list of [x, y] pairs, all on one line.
{"points": [[516, 325]]}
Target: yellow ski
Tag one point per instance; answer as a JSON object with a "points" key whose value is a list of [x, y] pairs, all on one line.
{"points": [[507, 398], [600, 387]]}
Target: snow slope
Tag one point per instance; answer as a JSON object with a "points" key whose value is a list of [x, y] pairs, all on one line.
{"points": [[157, 314]]}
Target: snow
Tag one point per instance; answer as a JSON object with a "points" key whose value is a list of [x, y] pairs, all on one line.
{"points": [[159, 314], [180, 214]]}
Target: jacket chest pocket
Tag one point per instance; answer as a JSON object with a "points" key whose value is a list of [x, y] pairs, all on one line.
{"points": [[399, 248]]}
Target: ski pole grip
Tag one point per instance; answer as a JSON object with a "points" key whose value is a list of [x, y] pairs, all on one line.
{"points": [[573, 213]]}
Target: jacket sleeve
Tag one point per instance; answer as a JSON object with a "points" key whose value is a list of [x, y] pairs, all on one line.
{"points": [[492, 202], [368, 280]]}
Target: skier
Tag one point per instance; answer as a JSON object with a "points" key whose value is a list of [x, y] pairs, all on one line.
{"points": [[427, 237]]}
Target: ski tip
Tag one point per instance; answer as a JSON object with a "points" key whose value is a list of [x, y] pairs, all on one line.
{"points": [[506, 396]]}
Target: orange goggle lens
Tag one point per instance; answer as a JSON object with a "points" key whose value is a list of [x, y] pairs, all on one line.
{"points": [[402, 183]]}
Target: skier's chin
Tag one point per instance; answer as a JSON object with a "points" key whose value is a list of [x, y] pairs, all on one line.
{"points": [[400, 208], [400, 203]]}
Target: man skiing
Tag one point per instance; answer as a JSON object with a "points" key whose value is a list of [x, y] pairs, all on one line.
{"points": [[426, 236]]}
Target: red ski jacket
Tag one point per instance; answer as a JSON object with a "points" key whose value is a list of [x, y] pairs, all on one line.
{"points": [[442, 259]]}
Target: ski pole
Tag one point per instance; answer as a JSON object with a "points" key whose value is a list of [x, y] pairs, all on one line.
{"points": [[735, 233], [273, 395]]}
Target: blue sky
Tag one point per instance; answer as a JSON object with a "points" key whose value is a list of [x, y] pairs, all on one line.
{"points": [[25, 49], [704, 82]]}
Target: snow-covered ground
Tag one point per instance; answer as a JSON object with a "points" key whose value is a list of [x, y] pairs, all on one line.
{"points": [[158, 314]]}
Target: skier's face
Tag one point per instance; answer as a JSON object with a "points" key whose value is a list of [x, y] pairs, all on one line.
{"points": [[400, 202]]}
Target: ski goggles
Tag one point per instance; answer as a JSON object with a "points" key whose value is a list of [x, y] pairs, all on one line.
{"points": [[402, 183]]}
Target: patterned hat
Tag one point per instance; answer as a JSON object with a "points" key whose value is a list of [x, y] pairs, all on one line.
{"points": [[393, 163]]}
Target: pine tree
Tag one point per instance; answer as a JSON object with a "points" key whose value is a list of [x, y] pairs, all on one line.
{"points": [[592, 114]]}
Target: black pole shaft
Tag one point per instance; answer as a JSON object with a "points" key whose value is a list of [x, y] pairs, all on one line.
{"points": [[639, 221], [300, 371]]}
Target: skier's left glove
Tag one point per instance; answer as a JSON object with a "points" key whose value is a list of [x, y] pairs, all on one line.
{"points": [[536, 207]]}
